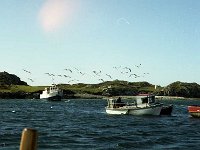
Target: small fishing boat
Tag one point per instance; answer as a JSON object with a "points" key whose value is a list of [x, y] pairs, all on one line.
{"points": [[166, 110], [52, 93], [194, 111], [140, 106]]}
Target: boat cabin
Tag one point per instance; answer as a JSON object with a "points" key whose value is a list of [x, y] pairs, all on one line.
{"points": [[115, 103], [145, 99], [52, 89], [140, 101]]}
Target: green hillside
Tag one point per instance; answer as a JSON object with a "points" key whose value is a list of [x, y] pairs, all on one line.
{"points": [[12, 87], [10, 79]]}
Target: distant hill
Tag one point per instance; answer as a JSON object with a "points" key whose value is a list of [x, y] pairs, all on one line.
{"points": [[10, 79], [12, 87], [112, 88], [125, 88], [182, 89]]}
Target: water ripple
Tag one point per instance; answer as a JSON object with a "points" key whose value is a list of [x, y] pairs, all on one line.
{"points": [[83, 124]]}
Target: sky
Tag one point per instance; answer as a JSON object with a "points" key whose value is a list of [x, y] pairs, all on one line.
{"points": [[91, 41]]}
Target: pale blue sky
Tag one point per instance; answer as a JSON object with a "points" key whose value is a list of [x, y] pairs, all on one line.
{"points": [[91, 35]]}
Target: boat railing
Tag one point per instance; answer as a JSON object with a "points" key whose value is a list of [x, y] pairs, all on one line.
{"points": [[143, 102]]}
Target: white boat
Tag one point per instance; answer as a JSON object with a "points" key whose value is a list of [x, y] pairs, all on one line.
{"points": [[52, 93], [141, 106]]}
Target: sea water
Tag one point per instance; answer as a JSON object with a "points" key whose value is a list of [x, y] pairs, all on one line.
{"points": [[84, 124]]}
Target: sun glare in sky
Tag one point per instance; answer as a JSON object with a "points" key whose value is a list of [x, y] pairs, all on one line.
{"points": [[50, 36], [54, 14]]}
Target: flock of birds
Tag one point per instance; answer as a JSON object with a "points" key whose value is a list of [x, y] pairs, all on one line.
{"points": [[69, 74]]}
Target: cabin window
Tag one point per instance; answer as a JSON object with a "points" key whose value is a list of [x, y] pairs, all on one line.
{"points": [[152, 99], [144, 100]]}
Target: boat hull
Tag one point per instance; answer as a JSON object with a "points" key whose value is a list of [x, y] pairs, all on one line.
{"points": [[155, 111], [195, 115], [166, 110], [116, 111], [53, 98], [138, 111], [194, 111]]}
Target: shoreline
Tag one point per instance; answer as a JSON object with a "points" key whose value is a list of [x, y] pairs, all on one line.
{"points": [[88, 96], [26, 95]]}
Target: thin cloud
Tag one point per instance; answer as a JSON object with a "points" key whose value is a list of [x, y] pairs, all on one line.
{"points": [[122, 20]]}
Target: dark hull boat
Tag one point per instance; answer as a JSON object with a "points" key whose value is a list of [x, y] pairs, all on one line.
{"points": [[166, 110], [194, 111]]}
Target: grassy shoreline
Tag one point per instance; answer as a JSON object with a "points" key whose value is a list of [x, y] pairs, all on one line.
{"points": [[76, 92], [88, 96]]}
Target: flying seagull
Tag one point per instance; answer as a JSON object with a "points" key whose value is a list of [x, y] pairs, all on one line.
{"points": [[101, 80], [109, 76], [68, 70], [97, 73], [128, 69], [138, 65], [27, 71], [66, 76], [82, 73], [31, 79], [48, 74]]}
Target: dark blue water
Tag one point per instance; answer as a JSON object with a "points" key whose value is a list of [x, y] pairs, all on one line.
{"points": [[83, 124]]}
